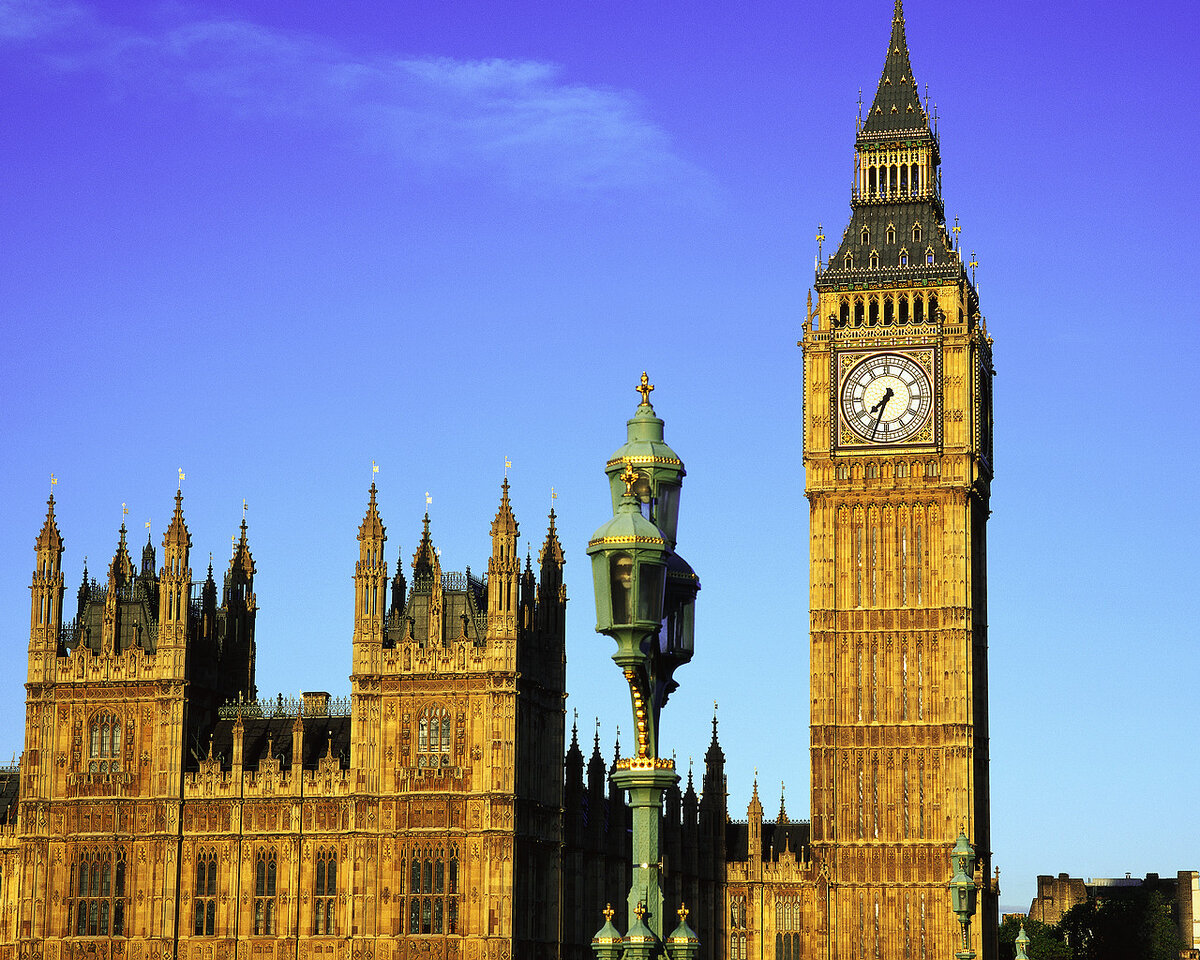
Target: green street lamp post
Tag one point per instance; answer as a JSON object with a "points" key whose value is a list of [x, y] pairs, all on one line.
{"points": [[645, 601], [962, 891]]}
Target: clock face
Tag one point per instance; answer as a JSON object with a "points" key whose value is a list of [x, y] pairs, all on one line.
{"points": [[886, 398]]}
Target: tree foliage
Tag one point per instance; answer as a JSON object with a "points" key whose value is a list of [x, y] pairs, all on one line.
{"points": [[1137, 923]]}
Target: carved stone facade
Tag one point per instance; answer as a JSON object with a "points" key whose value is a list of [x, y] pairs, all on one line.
{"points": [[424, 820]]}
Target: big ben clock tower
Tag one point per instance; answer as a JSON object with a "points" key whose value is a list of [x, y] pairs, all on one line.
{"points": [[898, 467]]}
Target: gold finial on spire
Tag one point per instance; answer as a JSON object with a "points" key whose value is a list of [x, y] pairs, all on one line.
{"points": [[181, 479], [682, 912], [507, 467], [609, 913], [640, 910], [53, 483], [428, 499], [124, 513], [374, 470], [973, 264], [956, 230], [629, 475], [820, 241], [645, 387], [148, 531], [243, 509]]}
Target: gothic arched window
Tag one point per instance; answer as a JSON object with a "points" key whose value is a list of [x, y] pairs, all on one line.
{"points": [[325, 893], [265, 874], [104, 742], [433, 890], [435, 729], [205, 894], [96, 895]]}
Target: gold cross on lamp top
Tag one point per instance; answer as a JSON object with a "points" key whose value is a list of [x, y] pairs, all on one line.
{"points": [[645, 388], [629, 475]]}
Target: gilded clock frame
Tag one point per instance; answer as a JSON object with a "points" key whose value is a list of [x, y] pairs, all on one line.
{"points": [[844, 440]]}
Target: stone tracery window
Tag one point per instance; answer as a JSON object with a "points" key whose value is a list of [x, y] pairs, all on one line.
{"points": [[204, 896], [104, 744], [434, 738], [265, 875], [737, 925], [433, 888], [787, 926], [325, 893], [96, 895]]}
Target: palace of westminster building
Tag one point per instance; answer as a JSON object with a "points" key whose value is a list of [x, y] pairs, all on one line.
{"points": [[161, 810]]}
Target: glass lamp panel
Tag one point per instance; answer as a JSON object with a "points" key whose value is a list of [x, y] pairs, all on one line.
{"points": [[600, 577], [651, 577], [621, 588], [666, 510]]}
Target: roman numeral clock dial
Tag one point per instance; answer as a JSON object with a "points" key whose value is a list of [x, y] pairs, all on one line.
{"points": [[886, 398]]}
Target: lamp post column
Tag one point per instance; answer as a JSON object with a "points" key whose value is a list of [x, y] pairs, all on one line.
{"points": [[646, 782]]}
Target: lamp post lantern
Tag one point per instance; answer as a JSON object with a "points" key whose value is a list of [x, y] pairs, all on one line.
{"points": [[962, 891], [645, 601]]}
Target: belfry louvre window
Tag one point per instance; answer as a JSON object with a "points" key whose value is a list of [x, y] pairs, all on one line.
{"points": [[433, 890], [325, 893], [434, 738], [96, 895], [104, 744], [205, 894], [264, 893]]}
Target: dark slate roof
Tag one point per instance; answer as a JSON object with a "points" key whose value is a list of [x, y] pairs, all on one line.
{"points": [[276, 732], [737, 839], [897, 105], [901, 216], [9, 783]]}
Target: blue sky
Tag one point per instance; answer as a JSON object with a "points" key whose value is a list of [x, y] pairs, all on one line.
{"points": [[270, 243]]}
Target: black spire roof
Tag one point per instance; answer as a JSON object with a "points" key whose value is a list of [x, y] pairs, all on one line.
{"points": [[897, 106]]}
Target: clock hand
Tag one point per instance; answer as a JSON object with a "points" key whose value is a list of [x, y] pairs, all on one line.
{"points": [[882, 406], [887, 395]]}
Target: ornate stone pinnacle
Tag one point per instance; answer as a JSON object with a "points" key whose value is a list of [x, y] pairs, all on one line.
{"points": [[644, 388]]}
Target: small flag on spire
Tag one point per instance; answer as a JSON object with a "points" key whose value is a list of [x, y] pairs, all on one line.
{"points": [[53, 482], [507, 467], [243, 508], [124, 512], [181, 478], [428, 498], [147, 528]]}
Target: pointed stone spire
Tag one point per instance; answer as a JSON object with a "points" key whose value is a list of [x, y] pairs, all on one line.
{"points": [[779, 836], [49, 541], [425, 561], [242, 558], [148, 557], [897, 105], [504, 571], [176, 540], [552, 594], [372, 527], [573, 763], [47, 591], [597, 771], [755, 808], [399, 585], [120, 570]]}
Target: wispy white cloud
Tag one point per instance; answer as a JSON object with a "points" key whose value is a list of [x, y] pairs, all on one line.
{"points": [[31, 19], [518, 120]]}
